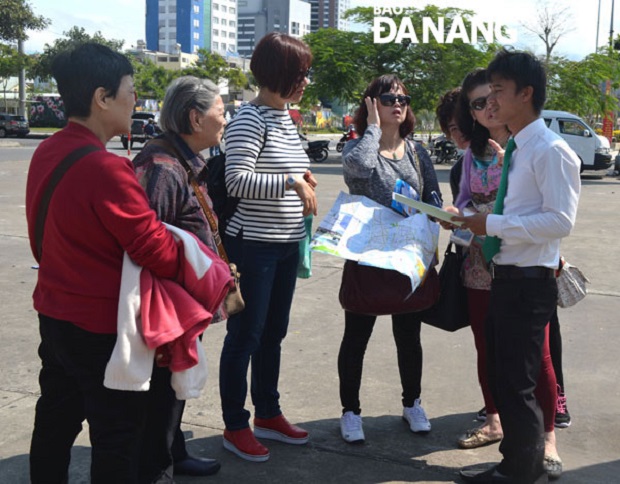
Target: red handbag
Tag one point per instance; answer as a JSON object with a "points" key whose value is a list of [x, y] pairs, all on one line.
{"points": [[375, 291]]}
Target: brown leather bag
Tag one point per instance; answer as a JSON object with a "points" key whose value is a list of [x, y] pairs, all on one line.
{"points": [[375, 291]]}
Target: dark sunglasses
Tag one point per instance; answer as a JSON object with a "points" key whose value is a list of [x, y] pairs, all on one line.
{"points": [[388, 99], [304, 74], [478, 104]]}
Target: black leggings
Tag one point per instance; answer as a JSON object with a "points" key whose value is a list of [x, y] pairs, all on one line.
{"points": [[357, 331], [555, 347]]}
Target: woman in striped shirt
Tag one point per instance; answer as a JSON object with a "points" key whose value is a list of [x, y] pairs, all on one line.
{"points": [[267, 169]]}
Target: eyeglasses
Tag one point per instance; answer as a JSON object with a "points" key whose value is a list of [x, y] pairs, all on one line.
{"points": [[478, 104], [388, 99], [304, 74]]}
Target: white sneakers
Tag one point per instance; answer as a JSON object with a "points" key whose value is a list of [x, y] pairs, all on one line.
{"points": [[416, 418], [353, 433], [351, 428]]}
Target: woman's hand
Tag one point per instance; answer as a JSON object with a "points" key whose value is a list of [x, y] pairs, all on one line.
{"points": [[448, 225], [373, 112], [306, 193], [499, 150]]}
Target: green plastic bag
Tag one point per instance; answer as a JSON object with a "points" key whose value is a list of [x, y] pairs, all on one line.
{"points": [[304, 269]]}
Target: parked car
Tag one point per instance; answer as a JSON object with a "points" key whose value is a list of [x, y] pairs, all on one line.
{"points": [[139, 120], [13, 125], [592, 149]]}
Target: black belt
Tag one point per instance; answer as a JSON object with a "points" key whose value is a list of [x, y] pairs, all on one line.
{"points": [[516, 272]]}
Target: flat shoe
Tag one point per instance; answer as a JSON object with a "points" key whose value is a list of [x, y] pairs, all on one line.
{"points": [[477, 438], [553, 466]]}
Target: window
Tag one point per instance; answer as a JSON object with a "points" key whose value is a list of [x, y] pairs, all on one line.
{"points": [[196, 23], [574, 128], [224, 9], [216, 32], [172, 22], [216, 6], [232, 10], [224, 21], [216, 46], [162, 9], [216, 20], [295, 28], [231, 35], [196, 35], [196, 9], [232, 23], [223, 46]]}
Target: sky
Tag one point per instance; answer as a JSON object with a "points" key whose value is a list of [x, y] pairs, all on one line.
{"points": [[125, 19]]}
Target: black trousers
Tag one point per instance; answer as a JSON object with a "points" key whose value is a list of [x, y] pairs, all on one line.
{"points": [[518, 313], [71, 380], [555, 348], [357, 331]]}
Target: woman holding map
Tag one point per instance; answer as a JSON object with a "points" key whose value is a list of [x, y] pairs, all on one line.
{"points": [[372, 164]]}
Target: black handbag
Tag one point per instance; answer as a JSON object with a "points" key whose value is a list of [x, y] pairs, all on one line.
{"points": [[450, 313]]}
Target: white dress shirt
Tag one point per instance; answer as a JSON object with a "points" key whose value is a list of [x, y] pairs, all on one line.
{"points": [[541, 202]]}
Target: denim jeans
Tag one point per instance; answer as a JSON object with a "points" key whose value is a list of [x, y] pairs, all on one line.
{"points": [[268, 275], [71, 379]]}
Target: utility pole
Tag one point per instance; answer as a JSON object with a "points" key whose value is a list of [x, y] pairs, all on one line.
{"points": [[22, 80], [598, 24], [611, 27]]}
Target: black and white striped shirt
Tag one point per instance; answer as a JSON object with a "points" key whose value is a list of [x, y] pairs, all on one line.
{"points": [[266, 211]]}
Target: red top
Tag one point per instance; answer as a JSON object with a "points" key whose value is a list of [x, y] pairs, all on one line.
{"points": [[97, 212]]}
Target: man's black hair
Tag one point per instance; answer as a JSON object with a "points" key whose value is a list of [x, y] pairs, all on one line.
{"points": [[525, 70], [83, 69]]}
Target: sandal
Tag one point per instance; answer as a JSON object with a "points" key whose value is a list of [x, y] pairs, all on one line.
{"points": [[553, 466], [477, 438]]}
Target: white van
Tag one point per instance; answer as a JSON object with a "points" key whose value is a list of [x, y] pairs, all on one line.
{"points": [[593, 150]]}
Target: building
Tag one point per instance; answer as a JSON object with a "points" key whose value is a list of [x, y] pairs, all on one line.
{"points": [[176, 60], [192, 24], [329, 13], [258, 17]]}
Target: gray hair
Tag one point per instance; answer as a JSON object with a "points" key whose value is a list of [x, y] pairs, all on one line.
{"points": [[184, 94]]}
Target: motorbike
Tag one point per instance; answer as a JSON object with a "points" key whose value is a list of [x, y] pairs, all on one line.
{"points": [[346, 136], [445, 151], [318, 150]]}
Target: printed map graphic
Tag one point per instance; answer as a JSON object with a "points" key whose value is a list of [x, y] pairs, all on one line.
{"points": [[359, 229]]}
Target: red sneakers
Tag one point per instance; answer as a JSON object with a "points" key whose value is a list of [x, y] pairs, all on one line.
{"points": [[244, 444], [278, 428]]}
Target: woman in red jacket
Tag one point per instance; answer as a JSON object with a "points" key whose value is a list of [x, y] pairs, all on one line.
{"points": [[98, 212]]}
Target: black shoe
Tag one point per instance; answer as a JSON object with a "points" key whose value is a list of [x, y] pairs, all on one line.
{"points": [[196, 466], [489, 476]]}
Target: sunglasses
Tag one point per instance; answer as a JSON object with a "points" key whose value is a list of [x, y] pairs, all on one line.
{"points": [[478, 104], [305, 74], [390, 99]]}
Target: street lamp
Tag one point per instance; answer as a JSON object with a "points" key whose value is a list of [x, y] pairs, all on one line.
{"points": [[611, 26]]}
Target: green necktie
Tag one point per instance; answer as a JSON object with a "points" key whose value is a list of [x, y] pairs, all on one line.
{"points": [[492, 243]]}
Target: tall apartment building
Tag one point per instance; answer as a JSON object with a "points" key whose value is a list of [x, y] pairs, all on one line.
{"points": [[258, 17], [329, 13], [174, 26]]}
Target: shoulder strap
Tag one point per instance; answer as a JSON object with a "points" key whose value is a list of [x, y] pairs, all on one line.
{"points": [[417, 166], [55, 177], [165, 143]]}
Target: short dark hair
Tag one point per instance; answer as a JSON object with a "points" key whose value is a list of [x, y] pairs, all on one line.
{"points": [[446, 109], [525, 69], [80, 71], [475, 132], [280, 62], [378, 86]]}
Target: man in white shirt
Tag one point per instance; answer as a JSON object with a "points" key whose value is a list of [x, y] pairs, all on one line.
{"points": [[540, 207]]}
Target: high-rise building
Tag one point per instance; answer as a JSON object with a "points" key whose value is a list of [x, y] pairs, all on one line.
{"points": [[329, 13], [174, 26], [258, 17]]}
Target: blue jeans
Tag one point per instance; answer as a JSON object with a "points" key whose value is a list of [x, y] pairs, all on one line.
{"points": [[268, 275]]}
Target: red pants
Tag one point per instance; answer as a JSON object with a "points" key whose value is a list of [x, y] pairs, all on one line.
{"points": [[546, 389]]}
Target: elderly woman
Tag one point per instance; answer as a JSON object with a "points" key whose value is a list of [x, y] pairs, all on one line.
{"points": [[192, 118], [372, 164], [97, 213], [267, 168]]}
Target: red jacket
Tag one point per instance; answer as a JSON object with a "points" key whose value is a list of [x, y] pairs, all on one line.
{"points": [[98, 212]]}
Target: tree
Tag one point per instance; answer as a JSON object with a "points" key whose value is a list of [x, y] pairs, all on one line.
{"points": [[553, 21], [210, 65], [344, 62], [11, 63], [237, 80], [152, 80], [42, 68], [18, 17]]}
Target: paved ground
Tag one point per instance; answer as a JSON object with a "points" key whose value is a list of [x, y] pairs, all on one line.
{"points": [[590, 448]]}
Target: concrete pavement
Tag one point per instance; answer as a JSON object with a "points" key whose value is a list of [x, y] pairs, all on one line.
{"points": [[590, 448]]}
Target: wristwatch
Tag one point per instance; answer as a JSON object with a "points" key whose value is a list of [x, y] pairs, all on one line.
{"points": [[291, 181]]}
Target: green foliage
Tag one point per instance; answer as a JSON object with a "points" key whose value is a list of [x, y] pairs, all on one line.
{"points": [[17, 17], [210, 65], [345, 62], [11, 62], [151, 80], [236, 79], [42, 67], [578, 86]]}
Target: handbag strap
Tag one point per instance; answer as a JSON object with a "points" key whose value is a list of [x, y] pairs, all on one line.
{"points": [[60, 170], [169, 146], [417, 166]]}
